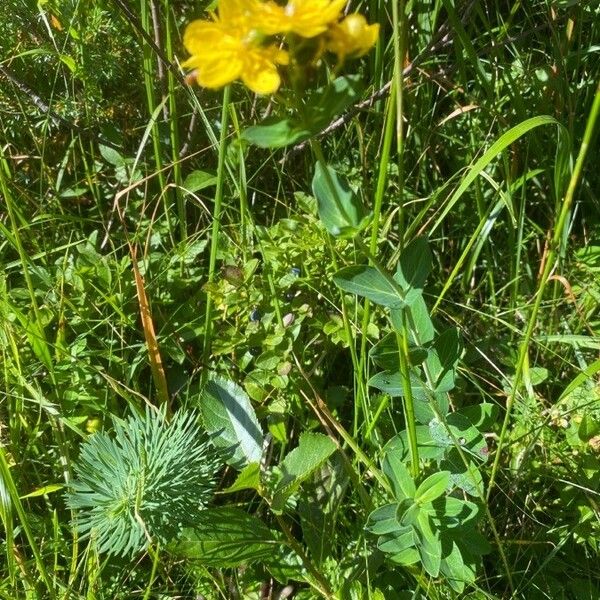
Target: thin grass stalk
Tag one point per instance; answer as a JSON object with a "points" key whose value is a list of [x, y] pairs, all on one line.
{"points": [[399, 39], [173, 122], [148, 68], [553, 252], [9, 484], [216, 228], [382, 180]]}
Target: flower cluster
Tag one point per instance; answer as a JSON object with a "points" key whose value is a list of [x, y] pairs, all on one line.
{"points": [[249, 39]]}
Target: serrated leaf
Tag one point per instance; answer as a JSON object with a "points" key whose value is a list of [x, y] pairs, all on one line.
{"points": [[248, 479], [226, 537], [367, 282], [312, 451], [229, 417]]}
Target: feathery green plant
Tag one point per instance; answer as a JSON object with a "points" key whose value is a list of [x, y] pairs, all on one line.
{"points": [[144, 484]]}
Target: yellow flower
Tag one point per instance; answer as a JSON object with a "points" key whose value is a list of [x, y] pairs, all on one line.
{"points": [[307, 18], [352, 37], [230, 48]]}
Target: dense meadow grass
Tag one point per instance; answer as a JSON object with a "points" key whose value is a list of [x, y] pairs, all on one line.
{"points": [[336, 340]]}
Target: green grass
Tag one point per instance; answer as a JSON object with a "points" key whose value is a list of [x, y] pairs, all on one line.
{"points": [[147, 248]]}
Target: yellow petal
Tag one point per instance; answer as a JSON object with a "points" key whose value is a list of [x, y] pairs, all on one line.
{"points": [[260, 75], [307, 18], [200, 35], [352, 37], [217, 73]]}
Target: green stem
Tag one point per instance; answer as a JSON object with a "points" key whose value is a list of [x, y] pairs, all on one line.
{"points": [[548, 266], [409, 404], [382, 180], [9, 484], [399, 39], [216, 228], [319, 583]]}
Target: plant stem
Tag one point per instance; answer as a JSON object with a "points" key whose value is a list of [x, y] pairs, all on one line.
{"points": [[320, 583], [216, 228], [408, 400]]}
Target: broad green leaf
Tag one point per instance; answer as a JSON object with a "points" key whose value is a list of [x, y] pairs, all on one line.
{"points": [[110, 155], [333, 99], [420, 325], [433, 487], [36, 338], [398, 474], [429, 545], [411, 514], [385, 353], [384, 520], [588, 428], [454, 569], [458, 430], [467, 477], [391, 383], [248, 479], [229, 417], [69, 61], [442, 360], [339, 207], [312, 451], [397, 542], [450, 512], [428, 448], [226, 537], [407, 557], [275, 133], [581, 378], [414, 265], [471, 541], [198, 180], [368, 282], [482, 416], [285, 565]]}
